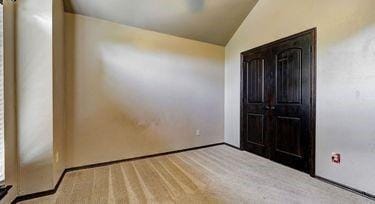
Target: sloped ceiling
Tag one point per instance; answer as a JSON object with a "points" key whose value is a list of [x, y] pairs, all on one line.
{"points": [[212, 21]]}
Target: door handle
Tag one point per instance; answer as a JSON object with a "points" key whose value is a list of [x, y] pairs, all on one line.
{"points": [[269, 107]]}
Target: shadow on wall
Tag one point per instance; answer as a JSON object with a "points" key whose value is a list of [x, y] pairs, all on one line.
{"points": [[133, 92]]}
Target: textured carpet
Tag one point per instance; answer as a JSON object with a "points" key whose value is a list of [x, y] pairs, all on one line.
{"points": [[217, 174]]}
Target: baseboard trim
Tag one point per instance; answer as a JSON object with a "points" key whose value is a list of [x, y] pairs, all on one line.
{"points": [[342, 186], [138, 158], [54, 190], [42, 193], [4, 191], [229, 145]]}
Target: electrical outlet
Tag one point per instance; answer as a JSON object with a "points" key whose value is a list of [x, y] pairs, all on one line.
{"points": [[336, 157], [57, 157], [197, 132]]}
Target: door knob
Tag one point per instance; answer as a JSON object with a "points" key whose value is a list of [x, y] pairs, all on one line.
{"points": [[269, 107]]}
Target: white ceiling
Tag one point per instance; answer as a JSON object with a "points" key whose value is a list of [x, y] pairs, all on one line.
{"points": [[212, 21]]}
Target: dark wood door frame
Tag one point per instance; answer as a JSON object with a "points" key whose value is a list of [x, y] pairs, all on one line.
{"points": [[312, 119]]}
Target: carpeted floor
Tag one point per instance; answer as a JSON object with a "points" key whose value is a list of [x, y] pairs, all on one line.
{"points": [[218, 174]]}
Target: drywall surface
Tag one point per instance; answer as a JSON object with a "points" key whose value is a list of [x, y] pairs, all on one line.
{"points": [[203, 20], [34, 94], [132, 92], [345, 79], [58, 89], [11, 159]]}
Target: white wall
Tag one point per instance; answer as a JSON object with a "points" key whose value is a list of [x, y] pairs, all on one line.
{"points": [[34, 95], [345, 79], [133, 92]]}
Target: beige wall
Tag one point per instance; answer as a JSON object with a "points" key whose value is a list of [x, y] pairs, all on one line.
{"points": [[133, 92], [345, 79], [58, 89], [40, 77], [34, 94]]}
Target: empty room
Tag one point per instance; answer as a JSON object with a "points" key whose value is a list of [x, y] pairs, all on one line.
{"points": [[187, 101]]}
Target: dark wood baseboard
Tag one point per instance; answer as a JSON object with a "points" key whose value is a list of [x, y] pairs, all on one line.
{"points": [[4, 191], [53, 191], [342, 186], [138, 158], [42, 193], [229, 145]]}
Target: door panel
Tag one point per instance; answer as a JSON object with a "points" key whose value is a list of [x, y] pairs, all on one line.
{"points": [[277, 88], [255, 129], [291, 62], [288, 76], [288, 131], [255, 81], [254, 118]]}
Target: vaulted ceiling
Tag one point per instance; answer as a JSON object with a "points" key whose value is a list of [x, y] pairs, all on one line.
{"points": [[212, 21]]}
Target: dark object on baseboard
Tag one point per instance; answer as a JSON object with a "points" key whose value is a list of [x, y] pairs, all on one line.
{"points": [[53, 191], [4, 191], [342, 186]]}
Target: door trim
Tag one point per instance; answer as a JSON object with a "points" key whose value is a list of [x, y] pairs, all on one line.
{"points": [[312, 119]]}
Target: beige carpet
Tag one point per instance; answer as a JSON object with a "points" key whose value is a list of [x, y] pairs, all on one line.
{"points": [[217, 174]]}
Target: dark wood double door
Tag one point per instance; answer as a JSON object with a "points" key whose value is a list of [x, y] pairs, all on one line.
{"points": [[278, 101]]}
